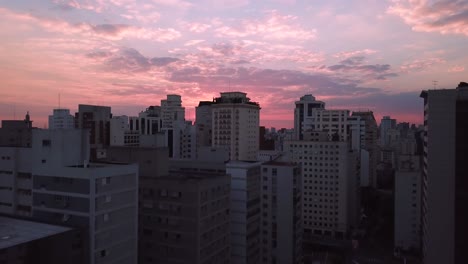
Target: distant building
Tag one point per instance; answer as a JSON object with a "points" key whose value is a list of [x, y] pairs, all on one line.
{"points": [[61, 119], [120, 133], [444, 181], [386, 123], [330, 182], [303, 111], [97, 120], [16, 133], [245, 211], [235, 125], [281, 228]]}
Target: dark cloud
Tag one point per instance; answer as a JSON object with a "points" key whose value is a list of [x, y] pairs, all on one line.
{"points": [[162, 61], [127, 60], [366, 71], [109, 29], [240, 62], [98, 54], [357, 60]]}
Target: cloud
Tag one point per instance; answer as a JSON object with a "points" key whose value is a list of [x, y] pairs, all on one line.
{"points": [[456, 68], [445, 17], [354, 53], [272, 27], [355, 65], [418, 65], [163, 61], [106, 31]]}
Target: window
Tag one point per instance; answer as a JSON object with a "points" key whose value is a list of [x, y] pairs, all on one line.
{"points": [[108, 198], [106, 217], [103, 253], [106, 181], [46, 142], [274, 171]]}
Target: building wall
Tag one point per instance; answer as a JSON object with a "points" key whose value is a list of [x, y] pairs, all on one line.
{"points": [[281, 213], [245, 211], [61, 119]]}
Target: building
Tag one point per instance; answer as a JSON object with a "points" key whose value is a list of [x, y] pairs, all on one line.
{"points": [[203, 124], [16, 133], [100, 199], [186, 217], [330, 182], [364, 126], [97, 120], [235, 125], [408, 204], [15, 181], [28, 242], [61, 119], [386, 123], [172, 111], [120, 133], [303, 111], [281, 209], [444, 182], [245, 211]]}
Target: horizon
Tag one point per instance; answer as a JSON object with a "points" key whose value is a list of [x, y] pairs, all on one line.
{"points": [[128, 54]]}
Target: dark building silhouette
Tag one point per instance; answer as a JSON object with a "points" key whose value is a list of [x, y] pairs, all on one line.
{"points": [[97, 120]]}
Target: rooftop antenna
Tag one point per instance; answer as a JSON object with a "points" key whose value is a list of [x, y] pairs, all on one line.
{"points": [[434, 84]]}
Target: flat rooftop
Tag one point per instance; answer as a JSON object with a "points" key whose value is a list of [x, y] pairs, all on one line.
{"points": [[14, 231]]}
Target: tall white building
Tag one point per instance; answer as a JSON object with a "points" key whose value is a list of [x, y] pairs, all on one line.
{"points": [[444, 181], [281, 213], [172, 110], [408, 203], [245, 212], [235, 125], [61, 119], [120, 133], [330, 182]]}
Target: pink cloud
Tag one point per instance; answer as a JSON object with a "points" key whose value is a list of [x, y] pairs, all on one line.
{"points": [[106, 31], [456, 68], [445, 17], [348, 54], [420, 65], [272, 27]]}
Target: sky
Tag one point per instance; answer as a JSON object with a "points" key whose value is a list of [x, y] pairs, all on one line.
{"points": [[129, 54]]}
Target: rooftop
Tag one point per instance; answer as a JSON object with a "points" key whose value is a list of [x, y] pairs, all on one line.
{"points": [[14, 231]]}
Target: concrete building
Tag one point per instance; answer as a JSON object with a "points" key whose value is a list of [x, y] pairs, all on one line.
{"points": [[172, 111], [97, 120], [101, 199], [408, 204], [365, 127], [16, 133], [281, 213], [203, 124], [61, 119], [186, 218], [15, 181], [235, 125], [330, 182], [444, 183], [386, 123], [303, 111], [29, 242], [245, 212], [120, 133]]}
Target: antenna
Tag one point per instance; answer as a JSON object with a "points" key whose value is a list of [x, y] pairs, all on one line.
{"points": [[434, 84]]}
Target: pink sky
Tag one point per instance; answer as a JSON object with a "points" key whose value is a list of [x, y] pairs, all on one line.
{"points": [[128, 54]]}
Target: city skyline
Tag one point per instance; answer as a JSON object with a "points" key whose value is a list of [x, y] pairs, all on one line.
{"points": [[129, 54]]}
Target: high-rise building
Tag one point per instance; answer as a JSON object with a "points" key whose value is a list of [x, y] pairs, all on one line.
{"points": [[120, 133], [386, 123], [97, 120], [172, 110], [61, 119], [281, 209], [330, 182], [203, 124], [235, 125], [245, 211], [444, 183], [408, 204], [303, 112], [189, 214]]}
